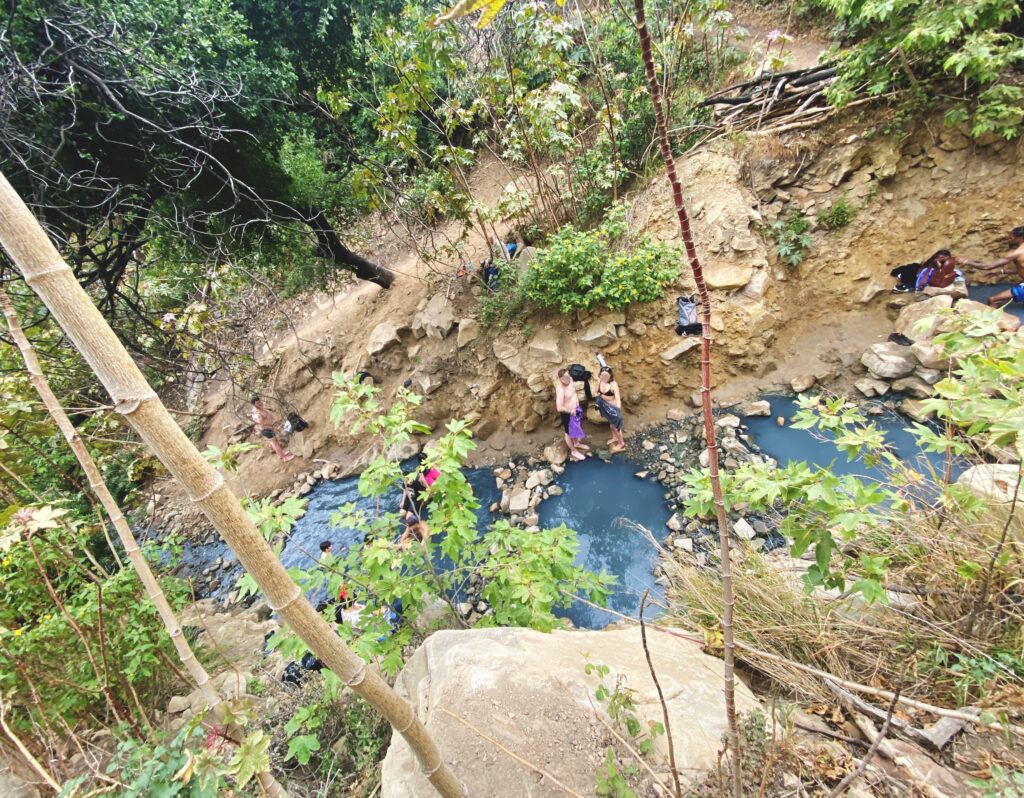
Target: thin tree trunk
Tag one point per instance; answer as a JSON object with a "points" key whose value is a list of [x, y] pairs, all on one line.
{"points": [[705, 395], [124, 532], [49, 276]]}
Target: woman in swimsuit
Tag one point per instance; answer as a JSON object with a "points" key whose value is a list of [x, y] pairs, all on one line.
{"points": [[609, 404]]}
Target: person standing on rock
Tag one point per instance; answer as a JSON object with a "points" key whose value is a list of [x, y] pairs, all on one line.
{"points": [[609, 405], [1015, 258], [264, 421], [568, 405]]}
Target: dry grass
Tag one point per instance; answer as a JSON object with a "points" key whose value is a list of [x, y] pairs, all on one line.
{"points": [[936, 617]]}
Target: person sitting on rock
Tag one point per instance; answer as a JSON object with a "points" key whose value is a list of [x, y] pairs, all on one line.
{"points": [[609, 405], [1015, 258], [264, 421], [416, 531]]}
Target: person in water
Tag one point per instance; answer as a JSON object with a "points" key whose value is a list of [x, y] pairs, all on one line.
{"points": [[609, 405], [568, 405], [264, 421], [1014, 258]]}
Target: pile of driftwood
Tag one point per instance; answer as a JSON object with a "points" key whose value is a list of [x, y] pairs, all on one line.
{"points": [[775, 99]]}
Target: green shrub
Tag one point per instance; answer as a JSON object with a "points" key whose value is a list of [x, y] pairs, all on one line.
{"points": [[790, 237], [578, 270], [839, 215]]}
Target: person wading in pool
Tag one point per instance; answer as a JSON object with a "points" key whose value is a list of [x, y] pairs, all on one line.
{"points": [[1015, 258], [609, 404], [264, 421], [568, 405]]}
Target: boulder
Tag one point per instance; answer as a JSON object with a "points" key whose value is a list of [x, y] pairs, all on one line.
{"points": [[680, 348], [871, 387], [888, 360], [724, 275], [1007, 321], [436, 319], [600, 332], [914, 408], [996, 481], [545, 346], [382, 336], [759, 408], [930, 356], [428, 383], [555, 454], [519, 501], [930, 376], [912, 319], [529, 692], [803, 383], [913, 386], [469, 331], [743, 529], [510, 356]]}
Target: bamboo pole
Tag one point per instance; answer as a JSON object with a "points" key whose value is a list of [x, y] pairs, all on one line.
{"points": [[50, 277], [152, 587], [729, 658]]}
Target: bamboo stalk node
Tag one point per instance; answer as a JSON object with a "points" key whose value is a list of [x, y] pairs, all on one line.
{"points": [[38, 276], [357, 678], [295, 596], [218, 483], [127, 406]]}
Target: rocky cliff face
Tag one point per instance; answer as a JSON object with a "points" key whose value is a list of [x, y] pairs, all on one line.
{"points": [[911, 195]]}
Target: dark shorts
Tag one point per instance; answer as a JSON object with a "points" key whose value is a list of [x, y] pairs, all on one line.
{"points": [[267, 433], [565, 421], [1017, 292]]}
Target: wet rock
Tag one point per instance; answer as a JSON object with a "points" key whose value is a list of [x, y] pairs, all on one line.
{"points": [[469, 331], [555, 490], [555, 454], [680, 348], [519, 501], [912, 319], [803, 383], [889, 360], [383, 336], [675, 523], [914, 409], [435, 320], [913, 386], [758, 408], [729, 421], [871, 387], [780, 421]]}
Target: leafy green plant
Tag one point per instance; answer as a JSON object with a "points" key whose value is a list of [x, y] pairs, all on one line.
{"points": [[791, 239], [577, 270], [839, 215], [226, 459], [610, 781], [1001, 783], [619, 701], [920, 45]]}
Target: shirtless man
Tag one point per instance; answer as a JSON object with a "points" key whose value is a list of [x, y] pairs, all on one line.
{"points": [[1014, 257], [567, 403], [264, 421]]}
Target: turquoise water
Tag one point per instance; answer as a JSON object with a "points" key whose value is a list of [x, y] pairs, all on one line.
{"points": [[787, 445]]}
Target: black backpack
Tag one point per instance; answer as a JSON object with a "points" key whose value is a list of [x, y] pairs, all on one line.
{"points": [[580, 373], [687, 322], [295, 423]]}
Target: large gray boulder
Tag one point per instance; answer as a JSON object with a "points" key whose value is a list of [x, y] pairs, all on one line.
{"points": [[436, 319], [384, 335], [889, 360], [995, 481], [528, 691], [680, 348], [911, 321]]}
